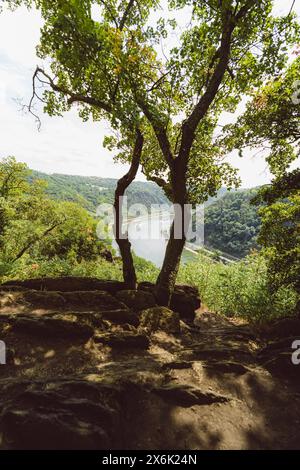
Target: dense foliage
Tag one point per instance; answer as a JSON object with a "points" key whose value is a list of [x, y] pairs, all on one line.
{"points": [[40, 228], [280, 234], [271, 123], [24, 268]]}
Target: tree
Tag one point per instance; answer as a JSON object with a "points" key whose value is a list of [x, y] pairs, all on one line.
{"points": [[13, 178], [105, 55], [75, 238], [101, 98], [14, 186], [26, 215], [272, 122]]}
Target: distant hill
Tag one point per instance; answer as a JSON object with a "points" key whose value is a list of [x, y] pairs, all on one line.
{"points": [[232, 223], [90, 191], [221, 192]]}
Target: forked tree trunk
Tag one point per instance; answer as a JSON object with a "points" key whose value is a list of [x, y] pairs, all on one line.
{"points": [[121, 238], [178, 164], [167, 277]]}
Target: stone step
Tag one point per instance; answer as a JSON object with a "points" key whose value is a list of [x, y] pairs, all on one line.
{"points": [[101, 300], [50, 327]]}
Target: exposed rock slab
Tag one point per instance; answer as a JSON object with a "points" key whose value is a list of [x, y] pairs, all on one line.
{"points": [[98, 299], [95, 380], [67, 284], [282, 328], [50, 326], [185, 299], [65, 414], [120, 316]]}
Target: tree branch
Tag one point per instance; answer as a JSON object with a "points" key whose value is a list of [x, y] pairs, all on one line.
{"points": [[30, 244], [126, 13], [122, 239], [160, 182], [159, 130], [223, 54], [73, 97]]}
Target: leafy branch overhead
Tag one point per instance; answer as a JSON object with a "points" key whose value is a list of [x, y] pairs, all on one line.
{"points": [[271, 122]]}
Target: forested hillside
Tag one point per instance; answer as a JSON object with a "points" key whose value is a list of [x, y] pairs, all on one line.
{"points": [[232, 223], [93, 190], [90, 191]]}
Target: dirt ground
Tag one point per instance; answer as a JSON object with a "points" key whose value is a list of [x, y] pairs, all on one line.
{"points": [[79, 376]]}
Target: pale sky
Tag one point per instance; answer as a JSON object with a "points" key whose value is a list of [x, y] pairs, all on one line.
{"points": [[67, 145]]}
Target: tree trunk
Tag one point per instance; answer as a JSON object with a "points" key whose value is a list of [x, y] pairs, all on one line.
{"points": [[121, 238], [167, 277], [129, 274]]}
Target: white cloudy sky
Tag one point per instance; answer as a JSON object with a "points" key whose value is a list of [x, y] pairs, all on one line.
{"points": [[66, 145]]}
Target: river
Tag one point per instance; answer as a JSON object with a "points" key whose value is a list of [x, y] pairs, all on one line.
{"points": [[148, 238]]}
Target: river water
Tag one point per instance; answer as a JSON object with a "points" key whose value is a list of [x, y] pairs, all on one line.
{"points": [[149, 238]]}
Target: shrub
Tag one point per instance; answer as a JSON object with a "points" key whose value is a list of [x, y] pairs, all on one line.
{"points": [[239, 289], [27, 268]]}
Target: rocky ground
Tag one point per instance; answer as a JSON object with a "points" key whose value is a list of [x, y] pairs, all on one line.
{"points": [[91, 365]]}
